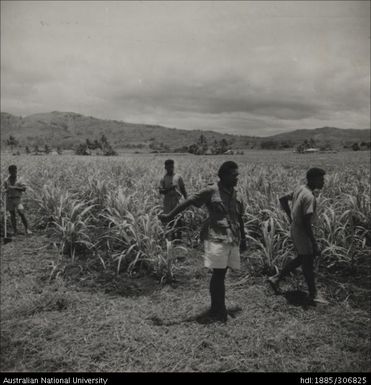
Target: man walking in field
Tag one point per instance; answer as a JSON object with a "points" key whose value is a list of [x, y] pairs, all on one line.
{"points": [[301, 217], [223, 233], [14, 188], [172, 187]]}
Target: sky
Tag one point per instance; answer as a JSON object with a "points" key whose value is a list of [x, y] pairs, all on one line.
{"points": [[241, 67]]}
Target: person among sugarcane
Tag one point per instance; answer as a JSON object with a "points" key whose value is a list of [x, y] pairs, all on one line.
{"points": [[223, 233], [172, 188], [14, 188], [301, 217]]}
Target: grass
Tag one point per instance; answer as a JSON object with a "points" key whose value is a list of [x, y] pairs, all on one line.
{"points": [[88, 292], [108, 208], [85, 321]]}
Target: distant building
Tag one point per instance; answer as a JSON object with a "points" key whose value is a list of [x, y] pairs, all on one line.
{"points": [[311, 150]]}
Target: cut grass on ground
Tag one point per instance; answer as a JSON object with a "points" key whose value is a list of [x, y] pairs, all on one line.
{"points": [[78, 325]]}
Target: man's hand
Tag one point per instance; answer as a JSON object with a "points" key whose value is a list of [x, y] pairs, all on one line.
{"points": [[167, 189], [243, 245], [16, 188], [164, 218], [316, 250]]}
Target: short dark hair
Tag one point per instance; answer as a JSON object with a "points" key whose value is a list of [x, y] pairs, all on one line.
{"points": [[314, 172], [226, 167], [169, 162], [12, 167]]}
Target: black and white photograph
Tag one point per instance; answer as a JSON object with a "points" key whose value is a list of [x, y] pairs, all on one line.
{"points": [[185, 188]]}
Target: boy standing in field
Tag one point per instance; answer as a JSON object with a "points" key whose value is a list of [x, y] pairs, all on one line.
{"points": [[301, 218], [172, 187], [14, 188], [223, 234]]}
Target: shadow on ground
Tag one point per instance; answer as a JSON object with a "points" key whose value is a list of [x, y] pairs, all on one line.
{"points": [[298, 298], [122, 285], [201, 317]]}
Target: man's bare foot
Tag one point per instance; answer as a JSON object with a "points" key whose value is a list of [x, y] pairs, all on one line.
{"points": [[274, 282]]}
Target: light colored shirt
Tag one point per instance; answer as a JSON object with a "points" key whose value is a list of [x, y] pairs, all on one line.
{"points": [[303, 203], [172, 198]]}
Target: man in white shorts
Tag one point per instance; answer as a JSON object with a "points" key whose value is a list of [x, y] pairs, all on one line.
{"points": [[223, 232], [301, 217]]}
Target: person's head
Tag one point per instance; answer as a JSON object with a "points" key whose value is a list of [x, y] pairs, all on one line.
{"points": [[169, 166], [13, 170], [316, 178], [228, 173]]}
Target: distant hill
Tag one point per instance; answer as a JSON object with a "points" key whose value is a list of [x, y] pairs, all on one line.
{"points": [[67, 129], [335, 136]]}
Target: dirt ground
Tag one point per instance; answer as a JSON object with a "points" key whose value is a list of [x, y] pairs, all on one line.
{"points": [[80, 319]]}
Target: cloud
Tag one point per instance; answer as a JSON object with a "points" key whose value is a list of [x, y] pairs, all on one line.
{"points": [[243, 68]]}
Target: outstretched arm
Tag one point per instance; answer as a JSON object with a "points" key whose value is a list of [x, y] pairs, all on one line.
{"points": [[175, 211], [182, 188], [197, 200], [284, 201], [20, 188], [14, 187]]}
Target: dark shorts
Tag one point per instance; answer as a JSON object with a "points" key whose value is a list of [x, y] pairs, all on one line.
{"points": [[13, 204]]}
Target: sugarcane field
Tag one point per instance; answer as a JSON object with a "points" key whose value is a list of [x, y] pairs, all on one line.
{"points": [[99, 287], [185, 192]]}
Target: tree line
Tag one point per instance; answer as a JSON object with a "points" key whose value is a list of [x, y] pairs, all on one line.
{"points": [[201, 147], [101, 146], [98, 147]]}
